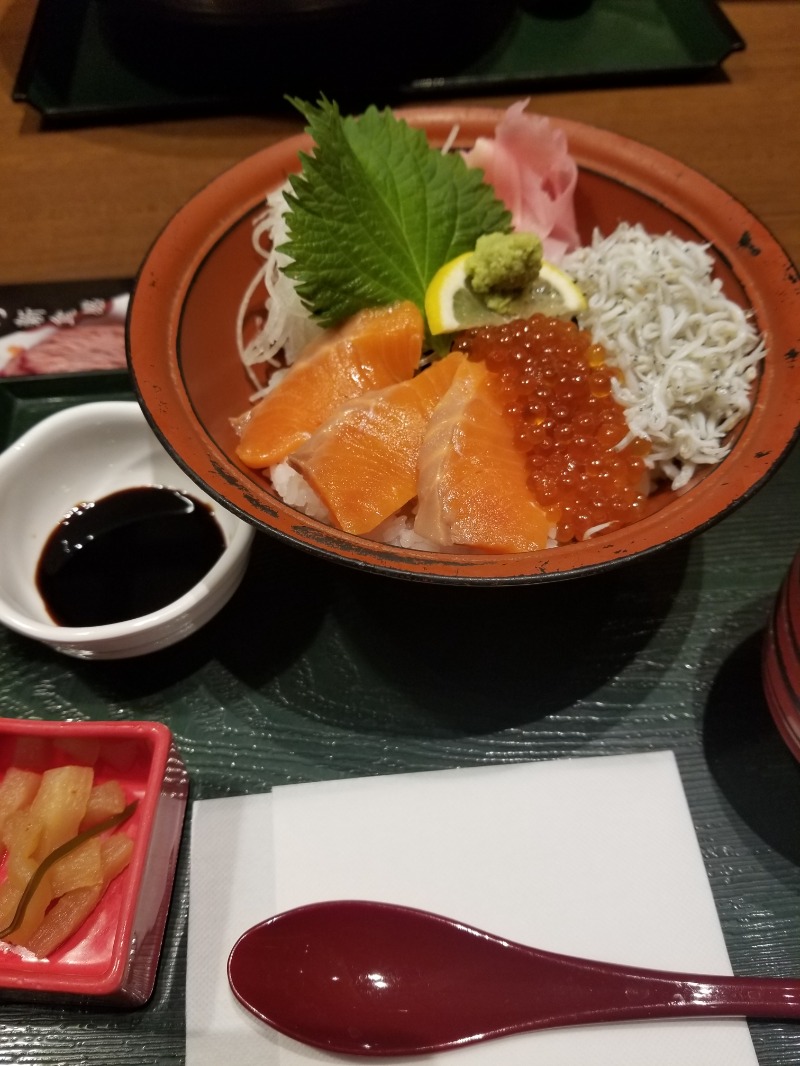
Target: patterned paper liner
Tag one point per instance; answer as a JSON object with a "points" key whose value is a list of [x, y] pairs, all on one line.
{"points": [[86, 335]]}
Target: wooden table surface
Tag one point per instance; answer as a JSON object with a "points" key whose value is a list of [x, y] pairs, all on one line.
{"points": [[87, 203]]}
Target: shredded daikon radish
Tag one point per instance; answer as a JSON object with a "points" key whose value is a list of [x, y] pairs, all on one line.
{"points": [[288, 326], [688, 354]]}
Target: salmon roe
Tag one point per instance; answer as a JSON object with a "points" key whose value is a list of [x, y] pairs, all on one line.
{"points": [[557, 390]]}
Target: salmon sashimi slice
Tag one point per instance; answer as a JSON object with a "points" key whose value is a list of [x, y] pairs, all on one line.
{"points": [[362, 462], [472, 480], [377, 347]]}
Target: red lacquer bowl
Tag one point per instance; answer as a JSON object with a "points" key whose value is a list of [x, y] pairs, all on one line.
{"points": [[114, 955], [781, 659], [183, 355]]}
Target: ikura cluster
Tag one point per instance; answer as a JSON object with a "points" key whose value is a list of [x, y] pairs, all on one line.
{"points": [[583, 466]]}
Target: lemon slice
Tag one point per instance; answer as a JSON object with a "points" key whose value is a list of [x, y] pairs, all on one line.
{"points": [[451, 305]]}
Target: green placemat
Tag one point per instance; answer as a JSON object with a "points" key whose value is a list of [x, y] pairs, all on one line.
{"points": [[25, 402], [73, 73]]}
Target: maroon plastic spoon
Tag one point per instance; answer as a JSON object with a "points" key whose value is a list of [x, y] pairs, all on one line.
{"points": [[377, 979]]}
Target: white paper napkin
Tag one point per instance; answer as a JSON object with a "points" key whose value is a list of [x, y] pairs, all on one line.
{"points": [[594, 857]]}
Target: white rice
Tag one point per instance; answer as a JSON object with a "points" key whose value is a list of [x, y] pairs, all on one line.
{"points": [[688, 353], [296, 491]]}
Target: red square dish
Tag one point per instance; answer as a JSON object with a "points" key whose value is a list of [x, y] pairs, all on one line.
{"points": [[114, 954]]}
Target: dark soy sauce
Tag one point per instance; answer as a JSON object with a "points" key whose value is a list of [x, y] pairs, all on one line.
{"points": [[125, 555]]}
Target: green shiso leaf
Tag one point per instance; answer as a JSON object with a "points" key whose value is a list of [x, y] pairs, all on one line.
{"points": [[376, 211]]}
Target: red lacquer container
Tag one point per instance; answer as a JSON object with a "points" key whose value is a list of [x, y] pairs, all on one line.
{"points": [[781, 659], [114, 955]]}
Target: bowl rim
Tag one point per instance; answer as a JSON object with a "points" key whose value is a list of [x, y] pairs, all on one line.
{"points": [[62, 422], [761, 266]]}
